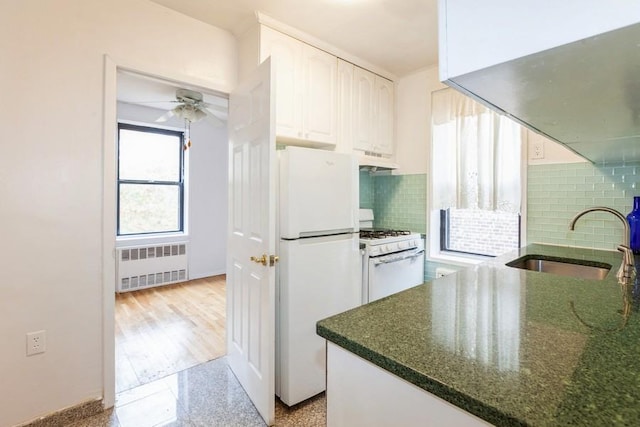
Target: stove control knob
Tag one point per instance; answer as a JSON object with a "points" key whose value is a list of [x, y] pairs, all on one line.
{"points": [[403, 245]]}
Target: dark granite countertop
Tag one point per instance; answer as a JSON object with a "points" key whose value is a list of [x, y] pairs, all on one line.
{"points": [[511, 346]]}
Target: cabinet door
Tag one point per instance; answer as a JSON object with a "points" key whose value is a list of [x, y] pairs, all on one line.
{"points": [[363, 109], [286, 54], [319, 95], [345, 106], [384, 116]]}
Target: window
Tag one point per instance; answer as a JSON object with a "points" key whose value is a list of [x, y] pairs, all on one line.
{"points": [[150, 180], [477, 180], [479, 231]]}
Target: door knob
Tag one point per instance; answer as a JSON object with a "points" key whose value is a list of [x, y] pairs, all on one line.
{"points": [[260, 260], [273, 259]]}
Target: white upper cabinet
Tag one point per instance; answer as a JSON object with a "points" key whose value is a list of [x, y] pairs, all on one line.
{"points": [[286, 54], [372, 113], [321, 100], [363, 109], [306, 77], [345, 106], [319, 106], [383, 95]]}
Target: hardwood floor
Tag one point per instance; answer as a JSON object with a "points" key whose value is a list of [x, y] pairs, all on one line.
{"points": [[164, 330]]}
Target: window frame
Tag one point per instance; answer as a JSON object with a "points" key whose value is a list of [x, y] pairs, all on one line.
{"points": [[179, 184]]}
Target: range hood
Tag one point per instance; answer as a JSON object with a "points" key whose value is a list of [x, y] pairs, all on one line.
{"points": [[585, 94]]}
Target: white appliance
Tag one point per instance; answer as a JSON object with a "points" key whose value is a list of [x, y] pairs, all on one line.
{"points": [[319, 273], [393, 260]]}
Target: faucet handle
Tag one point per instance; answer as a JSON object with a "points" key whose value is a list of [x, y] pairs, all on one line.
{"points": [[628, 263]]}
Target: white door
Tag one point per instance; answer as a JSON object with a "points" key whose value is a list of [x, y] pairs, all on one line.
{"points": [[251, 283]]}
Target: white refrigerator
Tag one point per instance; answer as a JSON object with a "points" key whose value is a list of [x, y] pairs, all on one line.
{"points": [[319, 273]]}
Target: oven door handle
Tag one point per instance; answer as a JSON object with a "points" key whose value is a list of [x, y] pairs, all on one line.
{"points": [[387, 259]]}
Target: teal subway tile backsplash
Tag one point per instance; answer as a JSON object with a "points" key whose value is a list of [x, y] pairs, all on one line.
{"points": [[367, 190], [400, 202], [557, 192]]}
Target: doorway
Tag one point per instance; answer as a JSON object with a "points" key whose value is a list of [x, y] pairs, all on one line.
{"points": [[162, 330]]}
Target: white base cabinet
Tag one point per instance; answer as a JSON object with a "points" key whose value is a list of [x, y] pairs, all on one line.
{"points": [[360, 393]]}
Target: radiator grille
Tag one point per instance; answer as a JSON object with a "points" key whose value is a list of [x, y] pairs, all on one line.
{"points": [[142, 267]]}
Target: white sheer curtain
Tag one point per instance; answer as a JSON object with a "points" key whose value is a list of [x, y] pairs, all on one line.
{"points": [[476, 155]]}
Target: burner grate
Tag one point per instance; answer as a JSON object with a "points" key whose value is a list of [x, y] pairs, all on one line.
{"points": [[381, 233]]}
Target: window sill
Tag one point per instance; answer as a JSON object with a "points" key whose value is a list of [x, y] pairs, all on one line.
{"points": [[456, 258], [150, 239]]}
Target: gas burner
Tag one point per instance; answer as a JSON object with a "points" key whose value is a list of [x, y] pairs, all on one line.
{"points": [[381, 233]]}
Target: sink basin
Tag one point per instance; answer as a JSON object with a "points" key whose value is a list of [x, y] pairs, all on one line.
{"points": [[562, 266]]}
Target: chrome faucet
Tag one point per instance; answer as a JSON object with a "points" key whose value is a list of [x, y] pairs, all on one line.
{"points": [[627, 271]]}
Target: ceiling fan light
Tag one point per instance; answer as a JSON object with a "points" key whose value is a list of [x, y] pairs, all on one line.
{"points": [[189, 112]]}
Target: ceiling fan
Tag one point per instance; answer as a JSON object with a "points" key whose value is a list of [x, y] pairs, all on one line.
{"points": [[192, 108]]}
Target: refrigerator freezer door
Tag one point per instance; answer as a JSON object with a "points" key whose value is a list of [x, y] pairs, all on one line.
{"points": [[319, 192], [319, 277]]}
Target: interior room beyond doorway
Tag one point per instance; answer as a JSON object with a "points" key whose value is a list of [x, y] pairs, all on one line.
{"points": [[163, 330]]}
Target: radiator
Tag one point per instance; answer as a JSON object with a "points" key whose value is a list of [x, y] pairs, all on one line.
{"points": [[140, 267]]}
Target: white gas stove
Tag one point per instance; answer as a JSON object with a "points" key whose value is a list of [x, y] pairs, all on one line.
{"points": [[393, 260], [379, 241]]}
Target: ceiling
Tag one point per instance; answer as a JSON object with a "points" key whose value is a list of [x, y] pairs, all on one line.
{"points": [[399, 36]]}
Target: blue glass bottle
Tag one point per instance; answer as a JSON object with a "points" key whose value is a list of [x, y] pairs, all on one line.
{"points": [[634, 226]]}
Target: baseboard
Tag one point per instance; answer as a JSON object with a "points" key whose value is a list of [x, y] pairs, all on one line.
{"points": [[201, 275], [68, 415]]}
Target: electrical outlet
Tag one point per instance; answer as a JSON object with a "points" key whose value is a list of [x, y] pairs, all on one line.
{"points": [[36, 342], [538, 150]]}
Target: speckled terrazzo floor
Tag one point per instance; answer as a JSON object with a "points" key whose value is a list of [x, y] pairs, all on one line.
{"points": [[205, 395]]}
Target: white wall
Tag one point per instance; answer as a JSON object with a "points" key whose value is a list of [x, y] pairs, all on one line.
{"points": [[52, 84], [207, 159], [413, 127]]}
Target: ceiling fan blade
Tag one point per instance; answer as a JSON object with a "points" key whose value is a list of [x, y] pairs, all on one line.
{"points": [[217, 116], [166, 116], [215, 121], [214, 107]]}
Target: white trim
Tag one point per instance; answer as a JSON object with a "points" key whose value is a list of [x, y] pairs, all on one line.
{"points": [[109, 233], [151, 239], [150, 125]]}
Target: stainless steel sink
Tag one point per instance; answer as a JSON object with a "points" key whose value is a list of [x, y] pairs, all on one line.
{"points": [[562, 266]]}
